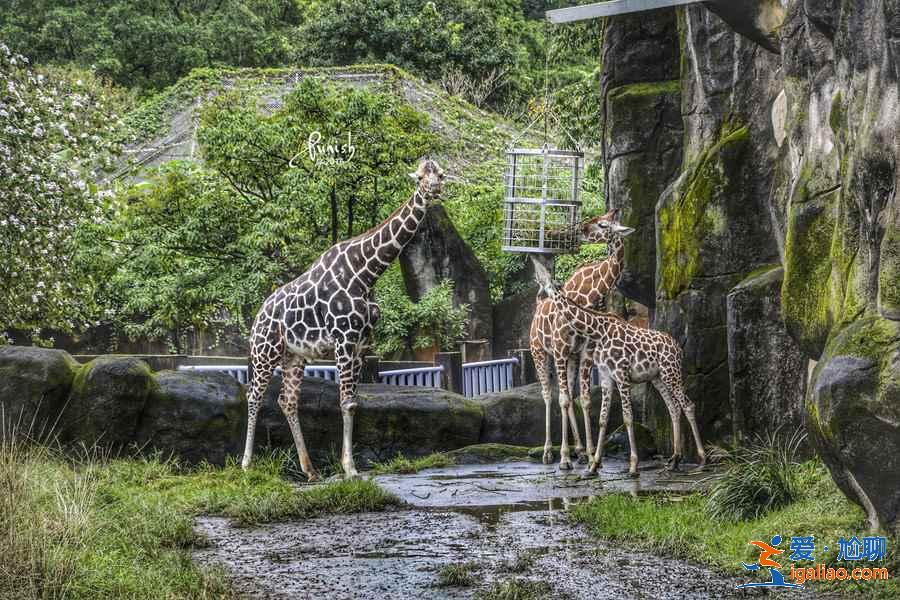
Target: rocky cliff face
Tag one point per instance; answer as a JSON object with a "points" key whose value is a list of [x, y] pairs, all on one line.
{"points": [[437, 252], [778, 239]]}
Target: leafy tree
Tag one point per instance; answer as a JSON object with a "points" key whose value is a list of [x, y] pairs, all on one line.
{"points": [[152, 43], [406, 326], [197, 247], [475, 40], [54, 127]]}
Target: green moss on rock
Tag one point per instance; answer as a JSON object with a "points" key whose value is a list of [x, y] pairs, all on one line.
{"points": [[806, 292], [889, 275], [691, 216]]}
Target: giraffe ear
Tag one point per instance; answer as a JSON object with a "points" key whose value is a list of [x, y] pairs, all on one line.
{"points": [[414, 176]]}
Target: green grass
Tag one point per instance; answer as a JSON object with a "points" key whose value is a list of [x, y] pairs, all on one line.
{"points": [[123, 528], [457, 575], [402, 465], [515, 589], [685, 529]]}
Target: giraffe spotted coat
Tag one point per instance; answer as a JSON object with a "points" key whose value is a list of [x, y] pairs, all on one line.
{"points": [[330, 311], [624, 355], [588, 286]]}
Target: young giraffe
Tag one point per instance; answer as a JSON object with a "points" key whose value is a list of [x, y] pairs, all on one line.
{"points": [[624, 354], [330, 309], [588, 286]]}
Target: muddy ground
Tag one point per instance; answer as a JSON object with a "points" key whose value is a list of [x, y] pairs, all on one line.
{"points": [[507, 521]]}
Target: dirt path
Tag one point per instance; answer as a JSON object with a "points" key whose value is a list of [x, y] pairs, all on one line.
{"points": [[507, 520]]}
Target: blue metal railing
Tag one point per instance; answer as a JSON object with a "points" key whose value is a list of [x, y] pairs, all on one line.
{"points": [[488, 376], [421, 377]]}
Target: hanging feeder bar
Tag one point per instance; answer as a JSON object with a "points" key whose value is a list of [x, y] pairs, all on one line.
{"points": [[542, 204]]}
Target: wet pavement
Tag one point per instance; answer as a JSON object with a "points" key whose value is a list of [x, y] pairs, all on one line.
{"points": [[508, 521]]}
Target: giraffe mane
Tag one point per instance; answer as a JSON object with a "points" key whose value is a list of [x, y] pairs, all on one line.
{"points": [[591, 311]]}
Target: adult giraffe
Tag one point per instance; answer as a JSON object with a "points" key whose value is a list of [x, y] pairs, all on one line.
{"points": [[330, 309], [589, 287]]}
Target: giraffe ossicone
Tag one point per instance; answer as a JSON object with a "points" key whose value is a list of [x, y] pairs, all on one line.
{"points": [[327, 311]]}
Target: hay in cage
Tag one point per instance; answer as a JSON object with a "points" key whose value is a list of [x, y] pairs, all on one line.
{"points": [[542, 205]]}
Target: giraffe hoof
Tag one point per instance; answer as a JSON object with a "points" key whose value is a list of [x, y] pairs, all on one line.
{"points": [[548, 456], [565, 465], [594, 468], [312, 477]]}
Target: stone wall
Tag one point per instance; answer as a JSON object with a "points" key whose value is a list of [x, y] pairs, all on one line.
{"points": [[778, 240]]}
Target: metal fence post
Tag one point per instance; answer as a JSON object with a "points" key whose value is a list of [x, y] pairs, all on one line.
{"points": [[452, 376], [369, 372], [524, 373]]}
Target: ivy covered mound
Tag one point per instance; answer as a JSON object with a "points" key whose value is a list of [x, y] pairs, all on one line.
{"points": [[119, 403]]}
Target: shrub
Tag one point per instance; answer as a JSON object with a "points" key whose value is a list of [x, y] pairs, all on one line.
{"points": [[759, 478]]}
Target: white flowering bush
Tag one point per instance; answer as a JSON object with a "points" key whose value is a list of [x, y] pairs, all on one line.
{"points": [[54, 143]]}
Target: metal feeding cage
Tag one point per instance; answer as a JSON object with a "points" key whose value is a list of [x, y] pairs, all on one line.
{"points": [[542, 205]]}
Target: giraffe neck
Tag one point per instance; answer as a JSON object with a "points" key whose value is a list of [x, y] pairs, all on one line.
{"points": [[384, 243], [583, 320], [601, 277], [617, 255]]}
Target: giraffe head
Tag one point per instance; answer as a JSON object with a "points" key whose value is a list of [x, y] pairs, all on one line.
{"points": [[430, 179], [604, 229]]}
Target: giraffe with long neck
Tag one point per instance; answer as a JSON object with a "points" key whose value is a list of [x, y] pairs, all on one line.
{"points": [[330, 310], [624, 355], [588, 286]]}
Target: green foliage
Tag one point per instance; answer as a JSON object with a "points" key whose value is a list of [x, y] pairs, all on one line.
{"points": [[758, 478], [407, 325], [193, 247], [150, 44], [668, 525], [56, 128], [402, 465], [123, 528], [462, 42]]}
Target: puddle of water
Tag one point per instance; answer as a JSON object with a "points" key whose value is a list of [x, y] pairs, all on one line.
{"points": [[508, 520]]}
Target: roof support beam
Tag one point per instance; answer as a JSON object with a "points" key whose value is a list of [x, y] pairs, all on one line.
{"points": [[608, 9]]}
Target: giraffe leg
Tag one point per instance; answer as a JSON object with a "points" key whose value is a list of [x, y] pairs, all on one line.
{"points": [[572, 371], [675, 415], [541, 364], [690, 412], [585, 380], [260, 374], [625, 393], [597, 462], [565, 403], [349, 365], [289, 401]]}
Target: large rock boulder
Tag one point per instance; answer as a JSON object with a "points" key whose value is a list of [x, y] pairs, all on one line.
{"points": [[517, 416], [195, 416], [766, 367], [713, 224], [34, 386], [853, 415], [389, 421], [106, 406], [437, 252], [642, 133]]}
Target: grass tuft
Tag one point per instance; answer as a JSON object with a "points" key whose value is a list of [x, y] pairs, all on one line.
{"points": [[759, 478], [516, 589], [457, 575], [406, 466], [94, 527], [668, 528]]}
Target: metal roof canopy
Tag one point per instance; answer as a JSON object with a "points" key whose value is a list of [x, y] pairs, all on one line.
{"points": [[609, 9]]}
